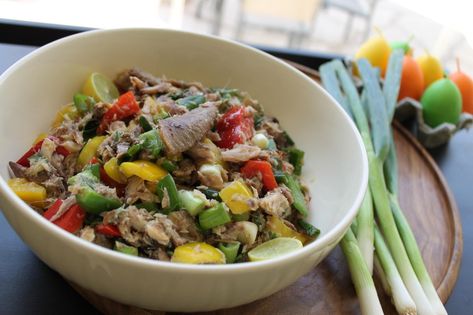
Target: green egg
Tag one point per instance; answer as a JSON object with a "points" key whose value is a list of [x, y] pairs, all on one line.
{"points": [[441, 102]]}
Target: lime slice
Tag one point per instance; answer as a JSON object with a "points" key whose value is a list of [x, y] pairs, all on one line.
{"points": [[100, 88], [274, 248]]}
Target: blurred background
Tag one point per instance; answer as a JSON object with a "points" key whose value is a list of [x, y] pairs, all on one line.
{"points": [[334, 26]]}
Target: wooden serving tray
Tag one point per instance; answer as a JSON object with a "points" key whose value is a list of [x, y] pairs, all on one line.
{"points": [[327, 289]]}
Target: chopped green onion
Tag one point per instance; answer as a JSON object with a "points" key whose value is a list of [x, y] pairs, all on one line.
{"points": [[191, 203], [308, 228], [151, 142], [125, 249], [168, 165], [297, 196], [144, 123], [148, 205], [167, 184], [96, 203], [83, 103], [241, 217], [230, 250], [192, 101], [211, 194], [296, 158], [214, 216]]}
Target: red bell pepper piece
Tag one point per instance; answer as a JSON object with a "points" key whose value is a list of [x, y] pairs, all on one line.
{"points": [[108, 230], [23, 161], [253, 167], [124, 107], [235, 126], [71, 221], [110, 182]]}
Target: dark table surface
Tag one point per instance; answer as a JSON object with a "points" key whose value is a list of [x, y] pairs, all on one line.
{"points": [[27, 286]]}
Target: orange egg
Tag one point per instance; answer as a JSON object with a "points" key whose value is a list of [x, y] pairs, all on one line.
{"points": [[465, 85], [412, 79]]}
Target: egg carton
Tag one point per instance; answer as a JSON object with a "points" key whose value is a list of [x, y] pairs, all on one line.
{"points": [[429, 137]]}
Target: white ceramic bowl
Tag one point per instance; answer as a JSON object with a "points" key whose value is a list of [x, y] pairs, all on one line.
{"points": [[335, 168]]}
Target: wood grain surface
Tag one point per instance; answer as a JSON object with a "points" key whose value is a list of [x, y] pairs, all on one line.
{"points": [[327, 289]]}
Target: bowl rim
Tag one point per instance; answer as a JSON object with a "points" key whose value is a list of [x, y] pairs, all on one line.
{"points": [[106, 253]]}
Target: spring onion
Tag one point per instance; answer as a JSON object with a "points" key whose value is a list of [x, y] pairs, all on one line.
{"points": [[214, 216], [167, 192], [296, 158], [400, 296], [191, 203], [365, 231], [125, 249], [416, 257], [381, 200], [230, 250], [361, 276], [298, 197]]}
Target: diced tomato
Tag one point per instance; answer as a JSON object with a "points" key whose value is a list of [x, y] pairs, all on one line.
{"points": [[235, 126], [110, 182], [36, 148], [253, 167], [108, 230], [124, 107], [48, 214], [71, 221]]}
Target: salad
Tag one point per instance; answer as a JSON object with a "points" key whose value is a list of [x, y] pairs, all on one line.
{"points": [[168, 170]]}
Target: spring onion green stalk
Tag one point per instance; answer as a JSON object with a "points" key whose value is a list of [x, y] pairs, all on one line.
{"points": [[365, 231], [330, 82], [400, 296], [416, 257], [361, 277], [230, 250], [381, 198], [392, 81], [214, 216], [376, 107]]}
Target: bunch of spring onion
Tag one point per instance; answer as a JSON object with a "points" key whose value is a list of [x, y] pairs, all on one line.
{"points": [[382, 237]]}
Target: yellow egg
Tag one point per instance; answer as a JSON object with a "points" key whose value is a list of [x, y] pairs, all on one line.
{"points": [[377, 51], [431, 68]]}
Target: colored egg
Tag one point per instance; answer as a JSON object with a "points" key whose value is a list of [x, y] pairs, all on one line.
{"points": [[441, 102], [465, 85], [412, 79], [401, 45], [377, 51], [431, 68]]}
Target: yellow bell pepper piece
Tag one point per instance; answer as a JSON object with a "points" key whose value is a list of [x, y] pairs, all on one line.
{"points": [[277, 226], [235, 196], [69, 111], [144, 169], [28, 191], [40, 137], [89, 150], [198, 253], [113, 171]]}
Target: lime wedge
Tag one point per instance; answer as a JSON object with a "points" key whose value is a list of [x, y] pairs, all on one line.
{"points": [[100, 88], [274, 248]]}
